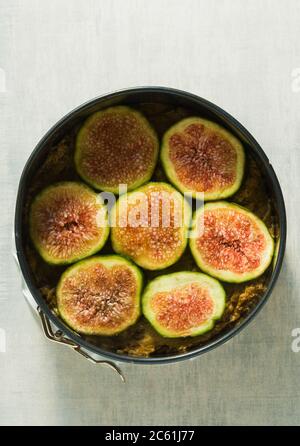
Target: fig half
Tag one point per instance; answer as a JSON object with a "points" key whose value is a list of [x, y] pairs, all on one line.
{"points": [[68, 221], [199, 156], [183, 304], [100, 295], [116, 146], [230, 242], [150, 225]]}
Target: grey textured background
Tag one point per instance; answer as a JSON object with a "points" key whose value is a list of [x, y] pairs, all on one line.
{"points": [[238, 54]]}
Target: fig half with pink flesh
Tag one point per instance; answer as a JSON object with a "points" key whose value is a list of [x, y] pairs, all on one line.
{"points": [[68, 221], [183, 304], [230, 242], [116, 146], [201, 157], [100, 295]]}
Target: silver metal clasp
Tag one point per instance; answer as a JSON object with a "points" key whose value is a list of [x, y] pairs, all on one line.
{"points": [[57, 335]]}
